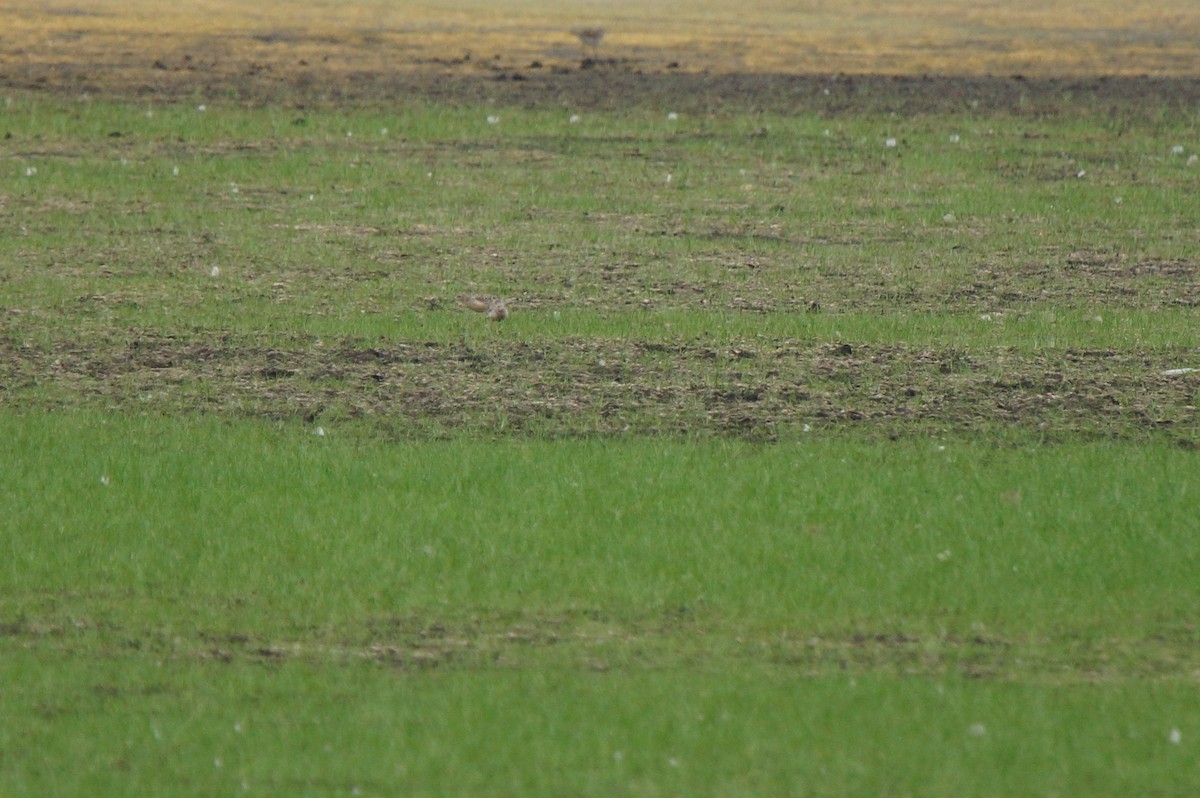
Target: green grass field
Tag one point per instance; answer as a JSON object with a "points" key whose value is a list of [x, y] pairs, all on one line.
{"points": [[822, 454]]}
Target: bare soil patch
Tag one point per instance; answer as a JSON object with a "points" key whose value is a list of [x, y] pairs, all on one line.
{"points": [[595, 641], [759, 389], [703, 58], [620, 84]]}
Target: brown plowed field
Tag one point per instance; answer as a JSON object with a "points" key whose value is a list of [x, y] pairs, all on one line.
{"points": [[706, 54]]}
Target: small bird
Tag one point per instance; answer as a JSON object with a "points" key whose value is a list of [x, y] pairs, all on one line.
{"points": [[590, 37], [495, 309]]}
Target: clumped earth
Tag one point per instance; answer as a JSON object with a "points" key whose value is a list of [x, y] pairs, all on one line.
{"points": [[757, 388], [616, 84]]}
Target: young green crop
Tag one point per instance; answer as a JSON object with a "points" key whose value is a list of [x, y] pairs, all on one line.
{"points": [[257, 606], [279, 516]]}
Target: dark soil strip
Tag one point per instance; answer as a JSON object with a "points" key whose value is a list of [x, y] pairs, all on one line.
{"points": [[758, 389]]}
